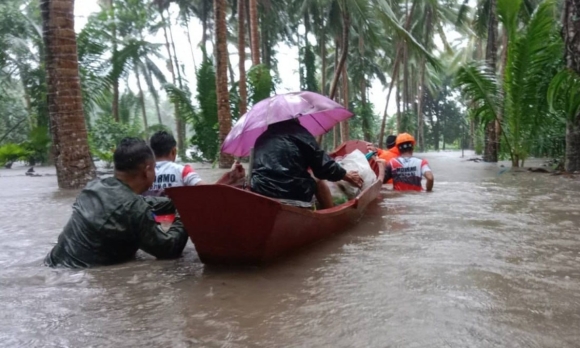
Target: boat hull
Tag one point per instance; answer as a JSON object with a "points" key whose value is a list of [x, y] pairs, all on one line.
{"points": [[229, 225]]}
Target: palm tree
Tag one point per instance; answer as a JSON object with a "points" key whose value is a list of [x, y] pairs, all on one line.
{"points": [[532, 58], [490, 152], [572, 55], [109, 5], [224, 114], [242, 55], [254, 35], [74, 166]]}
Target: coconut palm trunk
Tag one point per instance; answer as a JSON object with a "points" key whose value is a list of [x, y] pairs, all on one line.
{"points": [[571, 33], [74, 166], [344, 54], [116, 94], [323, 59], [180, 123], [344, 130], [242, 55], [339, 65], [490, 153], [420, 100], [224, 115], [395, 75], [170, 64], [255, 38], [142, 100]]}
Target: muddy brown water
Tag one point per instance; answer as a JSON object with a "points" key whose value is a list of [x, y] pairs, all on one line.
{"points": [[487, 260]]}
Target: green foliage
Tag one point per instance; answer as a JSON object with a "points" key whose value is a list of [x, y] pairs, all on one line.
{"points": [[308, 70], [534, 57], [204, 122], [12, 152], [38, 145], [563, 94], [106, 134], [205, 125], [363, 124], [443, 116], [479, 141], [260, 84], [408, 122], [13, 120]]}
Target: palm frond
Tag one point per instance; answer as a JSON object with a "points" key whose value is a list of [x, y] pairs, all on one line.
{"points": [[479, 84], [563, 94]]}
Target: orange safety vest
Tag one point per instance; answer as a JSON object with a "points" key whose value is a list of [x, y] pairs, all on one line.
{"points": [[388, 155]]}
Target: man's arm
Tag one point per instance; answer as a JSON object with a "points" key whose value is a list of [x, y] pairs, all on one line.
{"points": [[190, 176], [428, 174], [323, 167], [160, 205], [152, 239], [430, 180]]}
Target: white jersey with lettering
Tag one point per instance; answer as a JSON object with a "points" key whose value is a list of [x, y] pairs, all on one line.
{"points": [[407, 173], [171, 174]]}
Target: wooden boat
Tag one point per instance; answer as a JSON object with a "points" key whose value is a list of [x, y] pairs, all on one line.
{"points": [[228, 225]]}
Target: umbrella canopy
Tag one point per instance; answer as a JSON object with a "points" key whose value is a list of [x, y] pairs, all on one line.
{"points": [[317, 113]]}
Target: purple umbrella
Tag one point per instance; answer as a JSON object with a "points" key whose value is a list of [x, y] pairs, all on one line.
{"points": [[316, 113]]}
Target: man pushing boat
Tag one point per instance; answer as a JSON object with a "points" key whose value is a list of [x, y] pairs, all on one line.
{"points": [[407, 171], [111, 221]]}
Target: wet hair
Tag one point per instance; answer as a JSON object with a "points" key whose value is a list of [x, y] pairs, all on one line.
{"points": [[391, 141], [405, 147], [131, 153], [162, 143]]}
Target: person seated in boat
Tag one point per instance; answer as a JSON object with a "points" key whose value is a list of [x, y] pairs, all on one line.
{"points": [[111, 221], [407, 171], [283, 155], [171, 174]]}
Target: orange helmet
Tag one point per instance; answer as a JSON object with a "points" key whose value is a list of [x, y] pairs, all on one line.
{"points": [[405, 138]]}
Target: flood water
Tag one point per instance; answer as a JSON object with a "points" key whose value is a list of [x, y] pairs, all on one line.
{"points": [[490, 259]]}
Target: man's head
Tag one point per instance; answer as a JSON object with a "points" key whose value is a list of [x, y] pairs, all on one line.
{"points": [[405, 143], [164, 146], [391, 141], [134, 164]]}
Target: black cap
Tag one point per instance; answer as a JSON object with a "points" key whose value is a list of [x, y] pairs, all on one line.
{"points": [[391, 140]]}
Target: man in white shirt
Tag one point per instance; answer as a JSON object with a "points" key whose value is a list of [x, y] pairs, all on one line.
{"points": [[171, 174]]}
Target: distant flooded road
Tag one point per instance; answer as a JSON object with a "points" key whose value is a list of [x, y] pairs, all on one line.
{"points": [[489, 259]]}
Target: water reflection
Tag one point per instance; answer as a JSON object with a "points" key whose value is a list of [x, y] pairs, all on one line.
{"points": [[487, 260]]}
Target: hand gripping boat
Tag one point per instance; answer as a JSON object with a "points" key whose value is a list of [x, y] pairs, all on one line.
{"points": [[228, 225]]}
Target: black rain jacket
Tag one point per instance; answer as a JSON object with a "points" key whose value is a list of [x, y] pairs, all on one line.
{"points": [[282, 156], [110, 222]]}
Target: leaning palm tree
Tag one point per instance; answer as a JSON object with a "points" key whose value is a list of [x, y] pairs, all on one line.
{"points": [[74, 166]]}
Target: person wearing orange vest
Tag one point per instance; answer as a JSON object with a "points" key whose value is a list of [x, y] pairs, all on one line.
{"points": [[388, 154], [408, 171], [391, 151]]}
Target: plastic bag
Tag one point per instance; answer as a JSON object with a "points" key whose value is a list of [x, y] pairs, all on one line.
{"points": [[357, 161]]}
